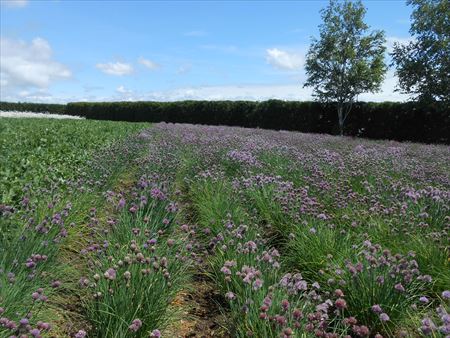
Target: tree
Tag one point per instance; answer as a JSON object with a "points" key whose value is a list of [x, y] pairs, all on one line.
{"points": [[423, 65], [347, 60]]}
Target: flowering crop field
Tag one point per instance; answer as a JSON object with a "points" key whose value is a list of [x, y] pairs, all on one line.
{"points": [[196, 231]]}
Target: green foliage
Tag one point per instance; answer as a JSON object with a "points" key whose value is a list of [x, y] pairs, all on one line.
{"points": [[54, 214], [347, 60], [139, 290], [423, 65], [38, 152]]}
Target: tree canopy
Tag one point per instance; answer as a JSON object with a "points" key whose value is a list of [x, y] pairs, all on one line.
{"points": [[347, 59], [423, 65]]}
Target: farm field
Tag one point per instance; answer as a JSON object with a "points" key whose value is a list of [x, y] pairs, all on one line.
{"points": [[173, 230]]}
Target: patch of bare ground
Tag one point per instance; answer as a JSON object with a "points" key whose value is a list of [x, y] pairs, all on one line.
{"points": [[201, 311]]}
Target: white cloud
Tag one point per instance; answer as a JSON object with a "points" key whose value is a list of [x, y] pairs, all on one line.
{"points": [[28, 66], [115, 68], [14, 3], [148, 63], [195, 33], [263, 92], [123, 90], [284, 60]]}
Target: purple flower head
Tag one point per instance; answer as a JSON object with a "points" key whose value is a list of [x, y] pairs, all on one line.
{"points": [[377, 309], [135, 325], [424, 299], [285, 304], [56, 284], [446, 294], [80, 334], [399, 287], [428, 327], [257, 284], [225, 271], [230, 295], [121, 203], [340, 303], [155, 334], [384, 317], [35, 332], [297, 314], [24, 321], [110, 274]]}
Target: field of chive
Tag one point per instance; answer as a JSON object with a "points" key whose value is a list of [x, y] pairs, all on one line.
{"points": [[175, 230]]}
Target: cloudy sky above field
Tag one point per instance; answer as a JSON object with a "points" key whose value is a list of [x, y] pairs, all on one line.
{"points": [[59, 51]]}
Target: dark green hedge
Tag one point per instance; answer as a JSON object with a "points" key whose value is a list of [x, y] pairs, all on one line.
{"points": [[33, 107], [389, 120]]}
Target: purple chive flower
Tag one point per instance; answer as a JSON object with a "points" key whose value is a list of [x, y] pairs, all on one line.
{"points": [[135, 325], [35, 332], [377, 309], [225, 271], [384, 317], [80, 334], [110, 274], [399, 287], [428, 327], [257, 284], [155, 334], [340, 303], [121, 203], [56, 284], [424, 299], [446, 294], [230, 295], [24, 321]]}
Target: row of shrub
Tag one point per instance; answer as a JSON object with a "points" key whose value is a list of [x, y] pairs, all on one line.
{"points": [[408, 121]]}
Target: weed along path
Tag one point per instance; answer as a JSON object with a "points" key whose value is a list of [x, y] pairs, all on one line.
{"points": [[203, 231]]}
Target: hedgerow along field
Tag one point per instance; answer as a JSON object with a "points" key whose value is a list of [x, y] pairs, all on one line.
{"points": [[178, 230]]}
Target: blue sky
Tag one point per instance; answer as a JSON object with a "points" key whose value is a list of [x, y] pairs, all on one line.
{"points": [[59, 51]]}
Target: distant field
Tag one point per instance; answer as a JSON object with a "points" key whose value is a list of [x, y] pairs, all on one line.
{"points": [[21, 114], [177, 230]]}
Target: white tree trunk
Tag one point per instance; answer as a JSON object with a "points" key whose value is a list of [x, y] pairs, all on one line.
{"points": [[341, 118]]}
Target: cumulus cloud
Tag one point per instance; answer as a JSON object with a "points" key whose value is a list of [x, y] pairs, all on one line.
{"points": [[14, 3], [28, 66], [284, 60], [148, 63], [115, 68]]}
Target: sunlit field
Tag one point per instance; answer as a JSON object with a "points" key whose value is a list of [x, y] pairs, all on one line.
{"points": [[112, 229]]}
